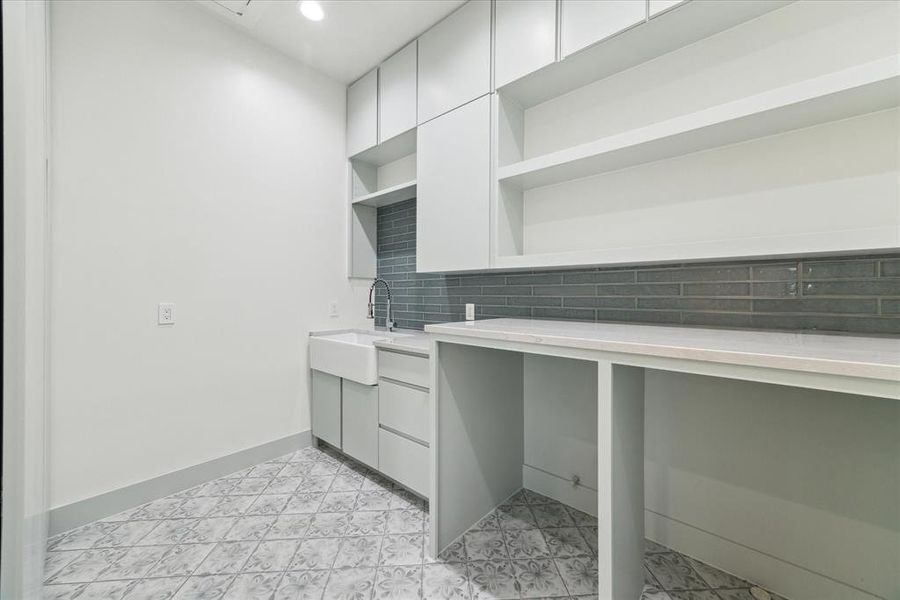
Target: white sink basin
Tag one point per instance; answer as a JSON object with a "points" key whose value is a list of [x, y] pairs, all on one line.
{"points": [[350, 354]]}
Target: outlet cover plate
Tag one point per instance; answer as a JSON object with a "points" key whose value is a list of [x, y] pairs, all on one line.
{"points": [[166, 313]]}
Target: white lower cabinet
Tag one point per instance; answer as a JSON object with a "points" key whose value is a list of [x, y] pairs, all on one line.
{"points": [[403, 367], [404, 418], [360, 422], [386, 426], [326, 407], [404, 460], [404, 408]]}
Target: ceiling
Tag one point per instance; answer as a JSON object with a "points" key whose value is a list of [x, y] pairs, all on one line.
{"points": [[354, 36]]}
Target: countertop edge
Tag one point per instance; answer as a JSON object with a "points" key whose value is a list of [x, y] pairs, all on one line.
{"points": [[776, 360]]}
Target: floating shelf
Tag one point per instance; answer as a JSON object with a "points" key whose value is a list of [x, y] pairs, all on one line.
{"points": [[851, 92], [391, 195], [872, 239]]}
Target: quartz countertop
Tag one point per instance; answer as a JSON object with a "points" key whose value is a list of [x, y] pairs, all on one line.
{"points": [[408, 340], [855, 356]]}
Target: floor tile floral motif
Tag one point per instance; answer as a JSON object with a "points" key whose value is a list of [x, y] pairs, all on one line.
{"points": [[314, 525]]}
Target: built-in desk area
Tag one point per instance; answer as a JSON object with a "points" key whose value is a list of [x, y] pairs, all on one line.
{"points": [[562, 407]]}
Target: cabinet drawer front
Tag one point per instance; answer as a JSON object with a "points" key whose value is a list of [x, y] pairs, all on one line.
{"points": [[404, 367], [404, 409], [405, 461]]}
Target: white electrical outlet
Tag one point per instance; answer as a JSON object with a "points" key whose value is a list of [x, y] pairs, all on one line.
{"points": [[166, 313], [470, 312], [333, 309]]}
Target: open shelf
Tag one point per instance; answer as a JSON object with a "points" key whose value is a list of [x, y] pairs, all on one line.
{"points": [[689, 23], [859, 90], [388, 151], [391, 195], [379, 176]]}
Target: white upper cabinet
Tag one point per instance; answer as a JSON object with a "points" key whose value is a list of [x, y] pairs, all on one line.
{"points": [[657, 6], [586, 22], [524, 38], [455, 60], [453, 206], [362, 113], [397, 94]]}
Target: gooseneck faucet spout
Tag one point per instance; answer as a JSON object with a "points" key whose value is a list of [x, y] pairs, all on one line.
{"points": [[389, 321]]}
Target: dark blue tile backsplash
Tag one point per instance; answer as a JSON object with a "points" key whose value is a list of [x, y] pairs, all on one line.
{"points": [[835, 294]]}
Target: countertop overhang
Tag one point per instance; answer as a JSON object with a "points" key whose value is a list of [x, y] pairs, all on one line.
{"points": [[875, 358]]}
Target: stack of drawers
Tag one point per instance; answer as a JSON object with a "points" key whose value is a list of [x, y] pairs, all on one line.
{"points": [[404, 419]]}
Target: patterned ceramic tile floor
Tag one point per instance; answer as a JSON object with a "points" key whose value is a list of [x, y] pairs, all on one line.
{"points": [[314, 525]]}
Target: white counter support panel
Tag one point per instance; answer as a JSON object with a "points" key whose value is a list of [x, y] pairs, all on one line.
{"points": [[478, 370], [478, 435], [620, 503]]}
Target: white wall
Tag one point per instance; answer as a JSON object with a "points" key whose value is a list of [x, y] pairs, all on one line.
{"points": [[196, 166], [24, 299], [792, 488]]}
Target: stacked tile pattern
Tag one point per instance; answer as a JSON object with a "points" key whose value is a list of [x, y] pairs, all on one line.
{"points": [[852, 294], [314, 525]]}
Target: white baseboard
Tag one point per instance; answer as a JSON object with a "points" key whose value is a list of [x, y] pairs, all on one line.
{"points": [[562, 490], [783, 578], [69, 516]]}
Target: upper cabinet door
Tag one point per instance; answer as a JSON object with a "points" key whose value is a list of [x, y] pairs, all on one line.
{"points": [[397, 94], [455, 60], [453, 204], [657, 6], [586, 22], [525, 38], [362, 113]]}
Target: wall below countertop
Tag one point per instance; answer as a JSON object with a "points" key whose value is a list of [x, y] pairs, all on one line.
{"points": [[836, 294]]}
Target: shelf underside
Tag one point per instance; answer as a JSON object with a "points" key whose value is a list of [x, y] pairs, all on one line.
{"points": [[388, 151], [391, 195], [851, 92], [875, 239], [688, 23]]}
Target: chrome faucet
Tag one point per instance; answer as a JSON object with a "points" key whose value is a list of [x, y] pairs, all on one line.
{"points": [[389, 322]]}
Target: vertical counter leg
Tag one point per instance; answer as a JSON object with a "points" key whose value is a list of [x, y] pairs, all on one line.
{"points": [[620, 510], [477, 442]]}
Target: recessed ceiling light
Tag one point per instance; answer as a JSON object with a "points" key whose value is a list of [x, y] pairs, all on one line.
{"points": [[312, 10]]}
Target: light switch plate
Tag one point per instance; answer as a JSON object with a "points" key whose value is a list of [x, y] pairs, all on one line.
{"points": [[470, 312], [166, 313]]}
